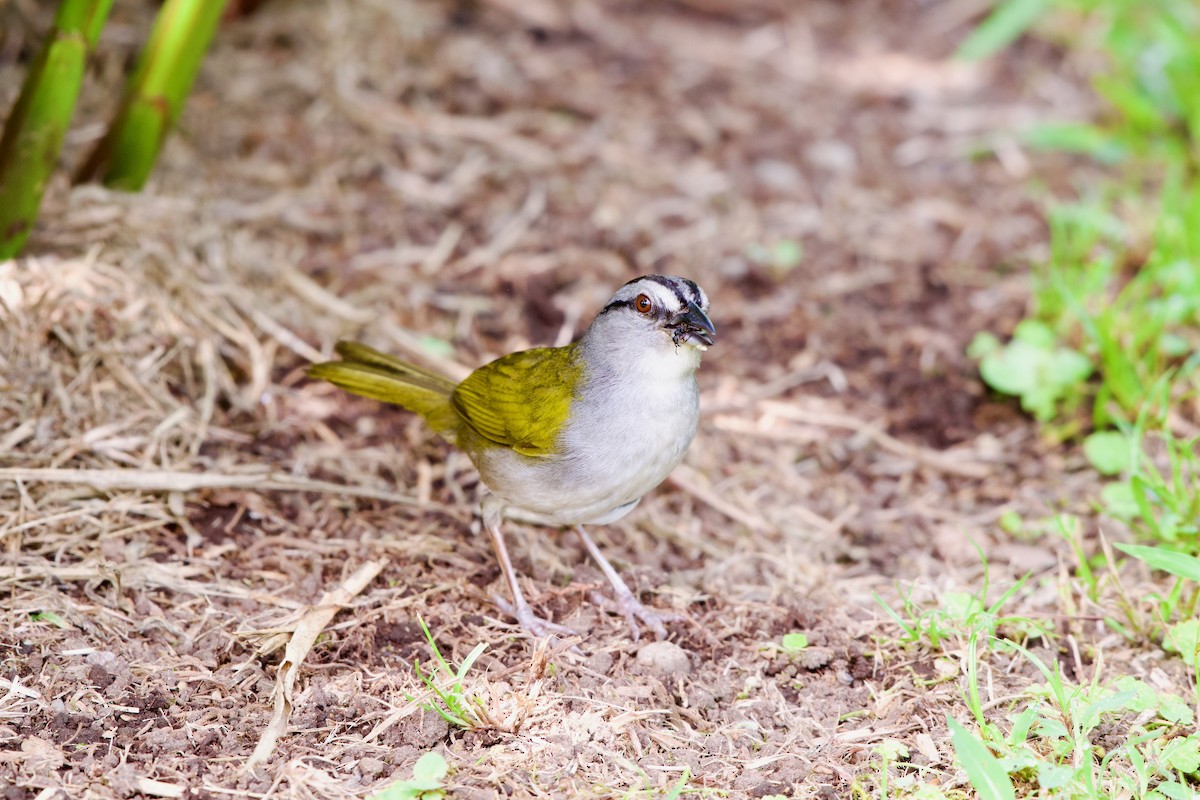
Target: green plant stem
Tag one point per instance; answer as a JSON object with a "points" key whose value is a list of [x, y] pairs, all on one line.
{"points": [[155, 93], [34, 132]]}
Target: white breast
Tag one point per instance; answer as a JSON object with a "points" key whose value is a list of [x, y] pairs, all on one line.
{"points": [[627, 430]]}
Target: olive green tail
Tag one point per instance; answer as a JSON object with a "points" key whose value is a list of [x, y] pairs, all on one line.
{"points": [[367, 372]]}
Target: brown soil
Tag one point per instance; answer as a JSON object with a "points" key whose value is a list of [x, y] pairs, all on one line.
{"points": [[477, 177]]}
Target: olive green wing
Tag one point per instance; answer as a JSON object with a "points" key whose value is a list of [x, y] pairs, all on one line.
{"points": [[521, 400], [370, 373]]}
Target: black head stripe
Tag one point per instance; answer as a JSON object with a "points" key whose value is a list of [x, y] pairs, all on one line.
{"points": [[697, 295], [616, 304], [672, 284]]}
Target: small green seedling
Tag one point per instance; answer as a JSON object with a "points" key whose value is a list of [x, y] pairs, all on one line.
{"points": [[789, 644], [781, 257], [793, 642], [1184, 638], [50, 618], [1165, 495], [889, 751], [1048, 377], [454, 705], [427, 782], [1109, 452], [1177, 608]]}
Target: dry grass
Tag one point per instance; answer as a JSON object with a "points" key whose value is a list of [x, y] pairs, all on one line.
{"points": [[457, 183]]}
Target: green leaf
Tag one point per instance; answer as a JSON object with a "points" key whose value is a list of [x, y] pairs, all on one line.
{"points": [[1012, 369], [1011, 523], [1006, 23], [1184, 638], [400, 790], [1090, 716], [1022, 723], [1034, 369], [1183, 754], [1108, 452], [1174, 708], [426, 783], [1054, 776], [437, 347], [1179, 564], [1076, 138], [1174, 345], [429, 772], [1119, 501], [1172, 790], [983, 343], [677, 790], [787, 254], [1034, 332], [1141, 696], [1069, 367], [961, 605], [983, 769], [1021, 761], [891, 750], [793, 642], [1039, 401], [49, 617]]}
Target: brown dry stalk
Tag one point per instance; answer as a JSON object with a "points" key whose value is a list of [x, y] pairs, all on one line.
{"points": [[160, 480], [303, 637]]}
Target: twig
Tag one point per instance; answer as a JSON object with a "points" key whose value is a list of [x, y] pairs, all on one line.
{"points": [[158, 788], [176, 578], [158, 480], [14, 687], [325, 301]]}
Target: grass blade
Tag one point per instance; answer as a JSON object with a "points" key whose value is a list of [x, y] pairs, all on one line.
{"points": [[1007, 22], [1179, 564], [983, 769]]}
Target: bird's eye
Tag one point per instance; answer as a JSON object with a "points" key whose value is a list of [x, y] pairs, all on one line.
{"points": [[643, 304]]}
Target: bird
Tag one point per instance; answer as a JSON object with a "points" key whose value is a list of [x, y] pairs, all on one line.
{"points": [[565, 436]]}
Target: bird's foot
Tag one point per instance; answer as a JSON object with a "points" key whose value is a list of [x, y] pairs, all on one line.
{"points": [[530, 622], [634, 611]]}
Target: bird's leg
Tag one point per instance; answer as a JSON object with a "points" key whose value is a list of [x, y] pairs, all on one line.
{"points": [[626, 602], [493, 510]]}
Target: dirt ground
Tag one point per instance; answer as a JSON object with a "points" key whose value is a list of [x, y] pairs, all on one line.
{"points": [[466, 179]]}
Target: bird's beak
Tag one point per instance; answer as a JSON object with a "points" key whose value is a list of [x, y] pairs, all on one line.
{"points": [[693, 326]]}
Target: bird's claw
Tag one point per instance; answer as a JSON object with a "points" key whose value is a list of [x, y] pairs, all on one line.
{"points": [[530, 622], [634, 610]]}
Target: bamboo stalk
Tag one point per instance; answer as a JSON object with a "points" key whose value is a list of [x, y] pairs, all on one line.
{"points": [[155, 93], [34, 131]]}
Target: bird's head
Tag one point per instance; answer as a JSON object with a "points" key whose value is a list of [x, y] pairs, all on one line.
{"points": [[662, 316]]}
